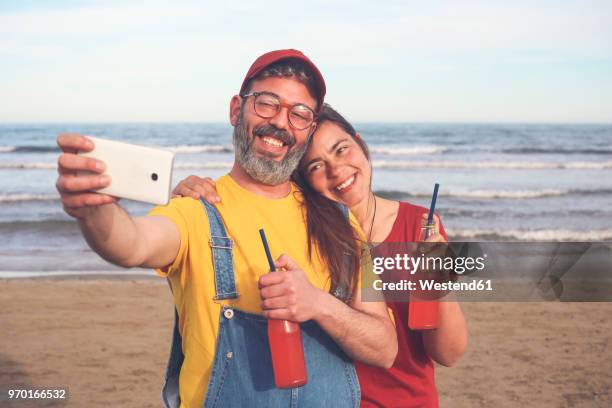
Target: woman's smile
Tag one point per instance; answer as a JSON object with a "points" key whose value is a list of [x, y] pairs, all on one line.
{"points": [[346, 185]]}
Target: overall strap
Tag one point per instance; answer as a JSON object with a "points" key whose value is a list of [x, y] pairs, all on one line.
{"points": [[170, 391], [223, 260], [225, 286]]}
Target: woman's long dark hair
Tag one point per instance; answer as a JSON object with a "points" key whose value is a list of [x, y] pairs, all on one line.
{"points": [[329, 230]]}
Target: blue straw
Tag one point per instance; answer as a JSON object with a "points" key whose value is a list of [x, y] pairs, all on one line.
{"points": [[264, 241], [432, 208]]}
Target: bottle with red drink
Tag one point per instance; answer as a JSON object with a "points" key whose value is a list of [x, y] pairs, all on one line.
{"points": [[423, 308], [285, 339]]}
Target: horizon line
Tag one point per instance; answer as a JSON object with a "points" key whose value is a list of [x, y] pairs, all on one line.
{"points": [[423, 122]]}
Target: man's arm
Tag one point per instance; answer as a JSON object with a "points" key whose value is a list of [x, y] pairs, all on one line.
{"points": [[151, 241], [363, 330], [108, 228]]}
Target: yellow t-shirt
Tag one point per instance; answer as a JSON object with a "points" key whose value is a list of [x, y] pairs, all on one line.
{"points": [[191, 274]]}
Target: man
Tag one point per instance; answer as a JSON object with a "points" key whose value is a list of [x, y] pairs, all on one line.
{"points": [[220, 330]]}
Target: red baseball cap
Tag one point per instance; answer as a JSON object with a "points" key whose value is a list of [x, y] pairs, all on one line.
{"points": [[271, 57]]}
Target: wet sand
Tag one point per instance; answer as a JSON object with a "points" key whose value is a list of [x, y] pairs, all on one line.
{"points": [[107, 340]]}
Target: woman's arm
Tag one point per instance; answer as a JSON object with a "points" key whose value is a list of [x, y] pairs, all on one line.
{"points": [[446, 344], [196, 187]]}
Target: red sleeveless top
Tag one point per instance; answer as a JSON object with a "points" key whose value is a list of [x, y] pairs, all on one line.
{"points": [[410, 381]]}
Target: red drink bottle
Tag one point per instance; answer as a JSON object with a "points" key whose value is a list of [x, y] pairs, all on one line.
{"points": [[422, 314], [423, 309], [285, 339]]}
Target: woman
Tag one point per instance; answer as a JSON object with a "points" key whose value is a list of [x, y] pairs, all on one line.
{"points": [[336, 168]]}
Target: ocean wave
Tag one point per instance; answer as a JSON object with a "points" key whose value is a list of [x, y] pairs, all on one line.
{"points": [[24, 224], [29, 149], [391, 194], [497, 194], [491, 165], [488, 214], [515, 194], [544, 150], [59, 228], [201, 149], [530, 235], [176, 149], [381, 164], [15, 198], [408, 151], [28, 166], [53, 166], [80, 273], [384, 150], [196, 166]]}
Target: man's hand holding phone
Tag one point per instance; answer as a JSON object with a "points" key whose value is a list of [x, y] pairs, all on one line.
{"points": [[79, 176], [95, 171]]}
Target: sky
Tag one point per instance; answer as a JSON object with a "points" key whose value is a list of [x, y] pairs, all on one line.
{"points": [[386, 61]]}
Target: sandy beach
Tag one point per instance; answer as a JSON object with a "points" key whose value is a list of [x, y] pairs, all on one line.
{"points": [[107, 341]]}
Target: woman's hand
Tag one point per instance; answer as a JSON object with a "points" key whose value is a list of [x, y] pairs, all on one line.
{"points": [[197, 187], [448, 342], [436, 247], [435, 236]]}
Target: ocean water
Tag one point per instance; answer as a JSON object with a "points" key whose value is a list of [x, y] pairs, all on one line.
{"points": [[498, 182]]}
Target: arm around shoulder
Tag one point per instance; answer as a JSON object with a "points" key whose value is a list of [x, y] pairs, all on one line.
{"points": [[364, 330]]}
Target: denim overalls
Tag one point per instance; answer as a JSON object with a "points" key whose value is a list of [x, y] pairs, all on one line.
{"points": [[242, 373]]}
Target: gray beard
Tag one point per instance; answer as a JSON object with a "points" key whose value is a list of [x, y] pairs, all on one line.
{"points": [[262, 169]]}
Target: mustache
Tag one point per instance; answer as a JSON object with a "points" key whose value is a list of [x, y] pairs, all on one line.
{"points": [[269, 130]]}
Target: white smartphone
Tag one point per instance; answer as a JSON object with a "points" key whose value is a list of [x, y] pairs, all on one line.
{"points": [[137, 172]]}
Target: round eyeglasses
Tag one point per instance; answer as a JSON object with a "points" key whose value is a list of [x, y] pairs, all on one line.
{"points": [[267, 105]]}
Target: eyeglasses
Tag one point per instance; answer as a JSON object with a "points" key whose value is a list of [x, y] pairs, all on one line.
{"points": [[267, 105]]}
